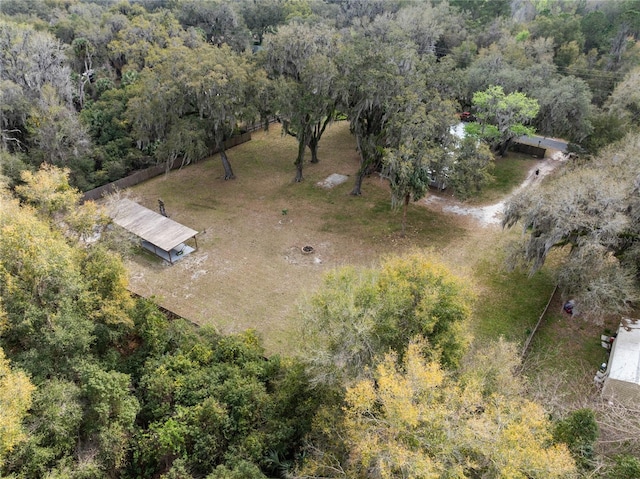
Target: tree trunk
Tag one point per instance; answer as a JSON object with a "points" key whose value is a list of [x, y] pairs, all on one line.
{"points": [[316, 134], [228, 172], [357, 188], [503, 147], [300, 159], [265, 122], [313, 146], [405, 206]]}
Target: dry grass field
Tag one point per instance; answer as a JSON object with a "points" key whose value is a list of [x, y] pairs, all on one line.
{"points": [[250, 272]]}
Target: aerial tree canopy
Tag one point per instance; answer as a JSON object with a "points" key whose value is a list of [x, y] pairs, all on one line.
{"points": [[15, 400], [302, 58], [412, 419], [189, 102], [419, 141], [220, 22], [121, 390], [360, 315], [502, 117], [375, 75], [624, 101]]}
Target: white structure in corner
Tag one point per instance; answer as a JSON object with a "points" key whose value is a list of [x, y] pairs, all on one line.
{"points": [[622, 377]]}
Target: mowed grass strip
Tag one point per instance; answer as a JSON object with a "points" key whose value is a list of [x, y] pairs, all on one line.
{"points": [[511, 301]]}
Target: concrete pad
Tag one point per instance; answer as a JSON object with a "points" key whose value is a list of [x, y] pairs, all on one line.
{"points": [[333, 180]]}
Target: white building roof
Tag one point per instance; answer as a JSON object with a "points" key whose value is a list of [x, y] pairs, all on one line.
{"points": [[624, 363], [458, 130]]}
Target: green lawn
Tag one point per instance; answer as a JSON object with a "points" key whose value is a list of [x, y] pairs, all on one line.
{"points": [[511, 302], [508, 172]]}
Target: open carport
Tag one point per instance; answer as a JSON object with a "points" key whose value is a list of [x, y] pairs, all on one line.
{"points": [[159, 234]]}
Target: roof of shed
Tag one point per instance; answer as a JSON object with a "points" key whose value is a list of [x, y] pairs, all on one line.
{"points": [[624, 363], [163, 232]]}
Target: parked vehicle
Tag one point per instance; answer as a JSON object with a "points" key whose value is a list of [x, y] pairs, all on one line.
{"points": [[467, 116]]}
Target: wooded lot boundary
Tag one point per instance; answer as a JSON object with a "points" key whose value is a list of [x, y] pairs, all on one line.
{"points": [[151, 172]]}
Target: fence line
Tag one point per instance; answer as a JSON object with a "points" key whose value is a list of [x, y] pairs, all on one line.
{"points": [[151, 172], [527, 343], [259, 125]]}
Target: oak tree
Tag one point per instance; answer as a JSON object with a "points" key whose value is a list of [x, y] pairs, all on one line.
{"points": [[502, 117], [302, 57], [418, 136], [593, 216]]}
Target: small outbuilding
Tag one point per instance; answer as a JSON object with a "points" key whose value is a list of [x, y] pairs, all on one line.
{"points": [[159, 234], [622, 376]]}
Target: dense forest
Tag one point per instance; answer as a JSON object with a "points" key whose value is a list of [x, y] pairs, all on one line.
{"points": [[97, 383], [105, 88]]}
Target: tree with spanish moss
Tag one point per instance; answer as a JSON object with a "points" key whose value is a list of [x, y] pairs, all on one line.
{"points": [[589, 210], [301, 58]]}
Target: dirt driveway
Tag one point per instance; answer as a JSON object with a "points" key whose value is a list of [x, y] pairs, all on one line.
{"points": [[492, 214]]}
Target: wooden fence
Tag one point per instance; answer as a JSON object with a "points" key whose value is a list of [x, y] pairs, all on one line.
{"points": [[151, 172], [527, 343]]}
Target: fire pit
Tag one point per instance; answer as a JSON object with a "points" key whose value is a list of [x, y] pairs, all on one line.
{"points": [[307, 249]]}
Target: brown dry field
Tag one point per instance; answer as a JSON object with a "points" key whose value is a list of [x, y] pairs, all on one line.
{"points": [[249, 270]]}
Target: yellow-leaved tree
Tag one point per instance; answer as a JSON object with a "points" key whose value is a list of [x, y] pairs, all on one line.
{"points": [[359, 315], [15, 400], [414, 420], [48, 191], [60, 300]]}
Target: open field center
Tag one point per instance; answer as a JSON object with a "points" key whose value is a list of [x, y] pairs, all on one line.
{"points": [[250, 271]]}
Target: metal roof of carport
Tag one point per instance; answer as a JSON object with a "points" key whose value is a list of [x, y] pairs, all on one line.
{"points": [[158, 230]]}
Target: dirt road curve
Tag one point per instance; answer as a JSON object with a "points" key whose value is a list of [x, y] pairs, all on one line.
{"points": [[492, 214]]}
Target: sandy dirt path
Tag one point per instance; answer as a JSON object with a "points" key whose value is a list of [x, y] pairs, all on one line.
{"points": [[492, 214]]}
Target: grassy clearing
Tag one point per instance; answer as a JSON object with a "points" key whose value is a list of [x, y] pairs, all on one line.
{"points": [[249, 271], [512, 302], [507, 173]]}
